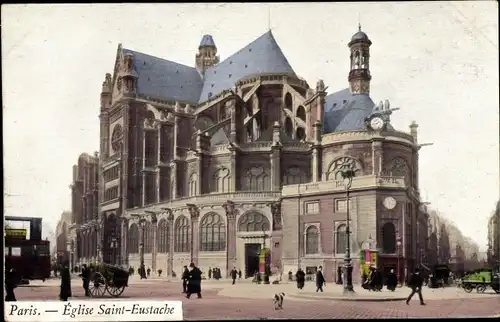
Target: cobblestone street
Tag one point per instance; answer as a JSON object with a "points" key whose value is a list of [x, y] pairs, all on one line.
{"points": [[246, 301]]}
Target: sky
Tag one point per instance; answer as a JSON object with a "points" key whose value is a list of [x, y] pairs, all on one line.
{"points": [[436, 61]]}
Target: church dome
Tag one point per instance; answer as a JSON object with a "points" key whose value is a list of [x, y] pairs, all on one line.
{"points": [[359, 36]]}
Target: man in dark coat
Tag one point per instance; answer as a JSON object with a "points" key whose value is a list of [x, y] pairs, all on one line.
{"points": [[194, 283], [320, 280], [209, 273], [415, 283], [65, 292], [234, 274], [11, 281], [239, 274], [392, 281], [142, 271], [85, 275], [300, 277], [185, 278], [339, 275]]}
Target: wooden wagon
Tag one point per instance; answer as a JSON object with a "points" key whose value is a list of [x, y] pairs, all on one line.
{"points": [[108, 278]]}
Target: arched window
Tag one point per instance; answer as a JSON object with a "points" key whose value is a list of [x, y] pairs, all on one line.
{"points": [[148, 237], [289, 127], [388, 238], [345, 163], [181, 235], [253, 221], [162, 237], [294, 175], [312, 240], [133, 239], [258, 179], [341, 239], [221, 180], [212, 233], [301, 113], [300, 134], [399, 168], [288, 102], [193, 185]]}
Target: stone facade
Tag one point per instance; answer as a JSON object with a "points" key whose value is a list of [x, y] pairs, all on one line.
{"points": [[493, 254], [211, 180], [63, 237], [84, 226]]}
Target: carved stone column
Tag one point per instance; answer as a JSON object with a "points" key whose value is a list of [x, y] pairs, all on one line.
{"points": [[231, 214], [173, 179], [316, 153], [377, 157], [194, 212], [124, 163], [170, 232], [230, 107], [142, 222], [154, 222], [277, 235], [124, 242], [276, 168], [159, 128], [100, 236]]}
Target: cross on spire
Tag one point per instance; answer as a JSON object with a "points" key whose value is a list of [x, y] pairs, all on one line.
{"points": [[359, 26]]}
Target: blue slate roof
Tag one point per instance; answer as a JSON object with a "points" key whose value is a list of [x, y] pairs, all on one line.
{"points": [[207, 40], [166, 79], [263, 55]]}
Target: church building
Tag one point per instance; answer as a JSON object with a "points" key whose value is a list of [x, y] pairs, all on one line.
{"points": [[209, 164]]}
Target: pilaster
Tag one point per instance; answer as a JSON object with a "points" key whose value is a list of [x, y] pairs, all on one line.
{"points": [[377, 157], [232, 111], [124, 156], [276, 236], [194, 212], [231, 214], [143, 167], [233, 170], [276, 168], [170, 231], [316, 153], [124, 242], [142, 222], [154, 251], [173, 179], [159, 128]]}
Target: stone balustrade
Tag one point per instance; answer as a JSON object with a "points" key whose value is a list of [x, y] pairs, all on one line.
{"points": [[364, 182]]}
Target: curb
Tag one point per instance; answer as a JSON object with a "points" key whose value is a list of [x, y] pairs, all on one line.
{"points": [[348, 298]]}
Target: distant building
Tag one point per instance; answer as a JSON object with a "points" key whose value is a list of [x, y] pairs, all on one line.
{"points": [[493, 253], [84, 206], [62, 252]]}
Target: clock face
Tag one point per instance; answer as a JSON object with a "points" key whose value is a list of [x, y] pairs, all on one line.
{"points": [[377, 123], [390, 203]]}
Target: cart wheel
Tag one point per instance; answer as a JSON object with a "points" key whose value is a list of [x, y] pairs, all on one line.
{"points": [[468, 288], [480, 288], [115, 291], [97, 286]]}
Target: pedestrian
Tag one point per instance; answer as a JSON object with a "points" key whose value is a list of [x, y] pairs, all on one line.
{"points": [[184, 278], [209, 273], [194, 283], [65, 291], [85, 275], [392, 281], [339, 276], [11, 281], [320, 280], [234, 273], [239, 274], [415, 282], [300, 277], [148, 272], [142, 271]]}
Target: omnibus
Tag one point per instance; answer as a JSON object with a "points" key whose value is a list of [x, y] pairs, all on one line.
{"points": [[30, 258]]}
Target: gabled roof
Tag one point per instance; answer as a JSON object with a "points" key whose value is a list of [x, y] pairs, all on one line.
{"points": [[162, 78], [261, 56], [345, 111]]}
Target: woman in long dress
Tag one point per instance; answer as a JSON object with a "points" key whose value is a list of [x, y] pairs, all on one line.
{"points": [[300, 277], [65, 292]]}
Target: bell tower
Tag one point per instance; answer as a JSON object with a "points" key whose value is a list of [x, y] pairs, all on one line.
{"points": [[359, 74], [207, 54]]}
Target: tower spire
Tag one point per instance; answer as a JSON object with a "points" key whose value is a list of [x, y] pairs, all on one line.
{"points": [[269, 18]]}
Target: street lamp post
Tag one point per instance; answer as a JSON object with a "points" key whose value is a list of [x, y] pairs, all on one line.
{"points": [[398, 244], [347, 175]]}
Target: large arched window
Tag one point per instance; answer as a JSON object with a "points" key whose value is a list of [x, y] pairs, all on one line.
{"points": [[341, 239], [312, 240], [288, 102], [294, 175], [258, 179], [253, 221], [345, 163], [148, 238], [212, 233], [181, 235], [193, 185], [221, 181], [133, 239], [162, 237], [301, 113], [388, 238], [289, 127]]}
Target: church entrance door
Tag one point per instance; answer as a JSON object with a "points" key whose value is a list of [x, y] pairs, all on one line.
{"points": [[252, 252]]}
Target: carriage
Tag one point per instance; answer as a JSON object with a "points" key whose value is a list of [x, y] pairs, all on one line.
{"points": [[108, 278]]}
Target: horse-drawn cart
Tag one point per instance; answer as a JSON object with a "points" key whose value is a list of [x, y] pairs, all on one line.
{"points": [[108, 278]]}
